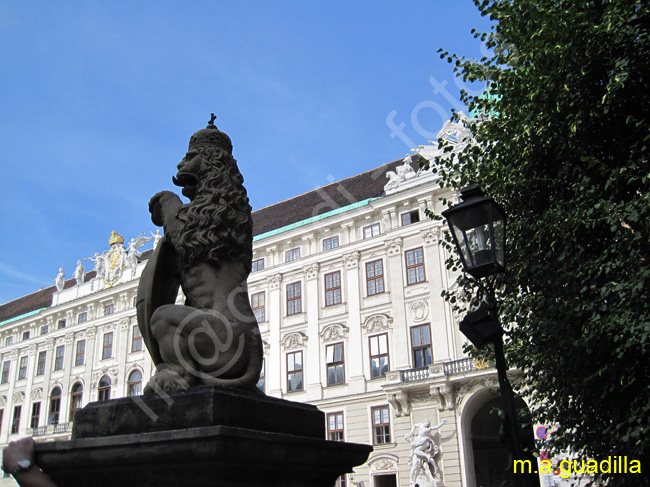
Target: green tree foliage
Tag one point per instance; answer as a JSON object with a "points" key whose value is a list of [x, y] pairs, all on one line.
{"points": [[565, 151]]}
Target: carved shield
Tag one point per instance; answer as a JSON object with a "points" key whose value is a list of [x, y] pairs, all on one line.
{"points": [[158, 286]]}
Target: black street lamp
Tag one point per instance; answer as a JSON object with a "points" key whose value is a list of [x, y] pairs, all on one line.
{"points": [[478, 227]]}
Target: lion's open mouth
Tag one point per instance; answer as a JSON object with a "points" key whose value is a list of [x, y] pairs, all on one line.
{"points": [[184, 179]]}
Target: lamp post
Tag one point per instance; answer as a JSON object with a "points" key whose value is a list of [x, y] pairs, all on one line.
{"points": [[478, 228]]}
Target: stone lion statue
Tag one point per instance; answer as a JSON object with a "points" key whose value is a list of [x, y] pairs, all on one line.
{"points": [[206, 250]]}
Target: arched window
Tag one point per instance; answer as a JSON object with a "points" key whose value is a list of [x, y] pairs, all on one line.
{"points": [[135, 383], [55, 406], [76, 396], [104, 389]]}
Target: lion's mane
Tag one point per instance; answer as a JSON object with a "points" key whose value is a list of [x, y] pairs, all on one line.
{"points": [[217, 225]]}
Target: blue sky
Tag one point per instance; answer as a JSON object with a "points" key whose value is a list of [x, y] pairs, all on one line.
{"points": [[99, 100]]}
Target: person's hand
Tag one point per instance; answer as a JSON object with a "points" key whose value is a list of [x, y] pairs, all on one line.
{"points": [[17, 450]]}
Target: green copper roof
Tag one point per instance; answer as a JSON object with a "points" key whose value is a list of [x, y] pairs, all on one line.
{"points": [[16, 318], [314, 218]]}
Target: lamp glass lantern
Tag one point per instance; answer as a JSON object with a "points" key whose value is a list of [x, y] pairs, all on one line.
{"points": [[478, 227]]}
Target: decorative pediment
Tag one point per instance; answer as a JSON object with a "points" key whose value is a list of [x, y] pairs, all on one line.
{"points": [[294, 340], [37, 393], [19, 397], [337, 331], [384, 462], [419, 310], [377, 322]]}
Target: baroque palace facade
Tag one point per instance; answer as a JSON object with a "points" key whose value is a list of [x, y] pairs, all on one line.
{"points": [[346, 286]]}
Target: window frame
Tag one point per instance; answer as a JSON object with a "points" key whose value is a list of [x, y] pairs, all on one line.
{"points": [[82, 317], [6, 369], [256, 307], [295, 372], [22, 367], [76, 399], [335, 365], [335, 434], [294, 309], [292, 255], [104, 391], [80, 355], [109, 309], [106, 355], [26, 335], [333, 292], [369, 230], [36, 414], [375, 278], [15, 421], [420, 349], [378, 356], [54, 413], [257, 265], [59, 356], [136, 339], [410, 214], [61, 324], [134, 387], [330, 243], [380, 437], [415, 266], [41, 362]]}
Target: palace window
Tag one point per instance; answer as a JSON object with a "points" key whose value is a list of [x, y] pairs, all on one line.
{"points": [[80, 353], [292, 254], [5, 372], [371, 231], [136, 339], [25, 335], [335, 364], [294, 305], [333, 288], [414, 266], [76, 396], [379, 355], [375, 277], [109, 309], [36, 415], [335, 426], [257, 304], [83, 317], [44, 329], [58, 357], [40, 363], [135, 383], [294, 371], [107, 346], [331, 243], [55, 406], [410, 217], [15, 424], [61, 324], [104, 389], [257, 265], [9, 341], [421, 346], [380, 425], [22, 368]]}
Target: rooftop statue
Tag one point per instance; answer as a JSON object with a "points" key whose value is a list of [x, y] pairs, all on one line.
{"points": [[206, 250]]}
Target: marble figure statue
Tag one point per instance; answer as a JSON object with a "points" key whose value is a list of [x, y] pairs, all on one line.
{"points": [[424, 450]]}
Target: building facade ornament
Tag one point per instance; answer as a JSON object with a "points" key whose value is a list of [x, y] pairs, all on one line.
{"points": [[394, 245], [294, 340], [419, 310], [430, 236], [31, 350], [124, 323], [378, 322], [18, 397], [400, 403], [383, 463], [444, 395], [274, 281], [37, 393], [473, 385], [91, 331], [3, 400], [333, 332], [69, 338], [311, 270], [351, 260], [424, 451]]}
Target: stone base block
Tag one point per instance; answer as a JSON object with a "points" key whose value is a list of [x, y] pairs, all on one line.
{"points": [[219, 456]]}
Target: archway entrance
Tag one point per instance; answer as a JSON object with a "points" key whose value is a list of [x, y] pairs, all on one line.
{"points": [[490, 455]]}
